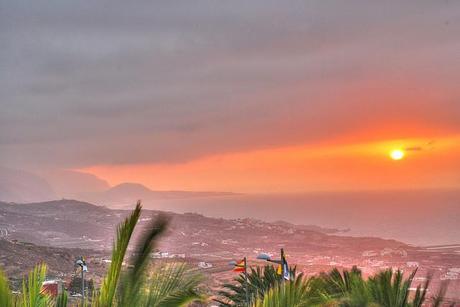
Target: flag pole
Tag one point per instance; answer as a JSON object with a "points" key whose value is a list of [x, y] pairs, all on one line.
{"points": [[282, 264], [246, 279], [82, 285]]}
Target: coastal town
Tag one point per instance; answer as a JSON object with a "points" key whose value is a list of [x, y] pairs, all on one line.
{"points": [[206, 244]]}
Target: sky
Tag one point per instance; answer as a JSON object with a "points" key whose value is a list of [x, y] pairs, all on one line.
{"points": [[242, 96]]}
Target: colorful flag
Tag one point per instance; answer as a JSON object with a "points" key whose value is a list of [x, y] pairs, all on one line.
{"points": [[239, 266], [279, 270]]}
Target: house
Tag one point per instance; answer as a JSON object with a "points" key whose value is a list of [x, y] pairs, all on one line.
{"points": [[204, 265], [52, 287]]}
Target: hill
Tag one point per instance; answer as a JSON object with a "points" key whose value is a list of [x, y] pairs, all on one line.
{"points": [[64, 225]]}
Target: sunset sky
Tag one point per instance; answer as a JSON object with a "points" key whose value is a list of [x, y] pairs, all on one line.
{"points": [[242, 96]]}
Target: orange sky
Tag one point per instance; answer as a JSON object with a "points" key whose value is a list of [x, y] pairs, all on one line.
{"points": [[243, 96], [429, 163]]}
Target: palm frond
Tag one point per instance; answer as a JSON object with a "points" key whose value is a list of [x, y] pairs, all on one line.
{"points": [[390, 288], [260, 280], [7, 298], [105, 298], [438, 299], [32, 295], [295, 293], [172, 285], [135, 278], [61, 300]]}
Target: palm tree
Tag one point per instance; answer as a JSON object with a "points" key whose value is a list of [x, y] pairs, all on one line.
{"points": [[7, 298], [390, 289], [300, 292], [32, 295], [172, 285], [347, 288], [167, 286], [387, 288], [160, 286], [260, 280]]}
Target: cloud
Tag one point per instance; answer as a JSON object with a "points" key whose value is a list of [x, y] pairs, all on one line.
{"points": [[114, 83], [414, 148]]}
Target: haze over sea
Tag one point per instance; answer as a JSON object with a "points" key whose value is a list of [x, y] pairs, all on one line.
{"points": [[419, 217]]}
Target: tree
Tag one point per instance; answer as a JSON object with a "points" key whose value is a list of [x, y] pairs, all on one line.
{"points": [[300, 292], [260, 280], [31, 295], [387, 288], [172, 285], [346, 288], [75, 285]]}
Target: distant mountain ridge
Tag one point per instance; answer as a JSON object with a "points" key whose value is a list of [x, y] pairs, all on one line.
{"points": [[22, 186], [130, 192], [25, 187], [72, 184]]}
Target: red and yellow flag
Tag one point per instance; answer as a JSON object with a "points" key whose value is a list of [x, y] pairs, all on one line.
{"points": [[239, 266]]}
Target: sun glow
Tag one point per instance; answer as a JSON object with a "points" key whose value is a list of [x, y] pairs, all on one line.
{"points": [[397, 154], [302, 168]]}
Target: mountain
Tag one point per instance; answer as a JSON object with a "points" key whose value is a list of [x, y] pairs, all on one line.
{"points": [[22, 186], [25, 187], [125, 194], [72, 184]]}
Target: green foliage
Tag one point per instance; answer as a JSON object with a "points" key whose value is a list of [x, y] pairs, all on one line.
{"points": [[346, 288], [32, 295], [387, 288], [134, 279], [299, 292], [61, 300], [105, 298], [164, 286], [172, 285], [260, 280], [390, 289], [7, 298], [75, 285]]}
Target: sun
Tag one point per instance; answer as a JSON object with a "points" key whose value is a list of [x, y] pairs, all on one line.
{"points": [[397, 154]]}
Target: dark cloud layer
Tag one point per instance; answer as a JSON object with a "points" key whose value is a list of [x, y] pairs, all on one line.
{"points": [[85, 83]]}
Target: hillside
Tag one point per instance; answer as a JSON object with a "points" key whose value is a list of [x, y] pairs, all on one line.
{"points": [[65, 225]]}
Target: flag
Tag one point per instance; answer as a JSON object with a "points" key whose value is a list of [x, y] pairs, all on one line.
{"points": [[286, 274], [279, 270], [239, 266], [283, 267]]}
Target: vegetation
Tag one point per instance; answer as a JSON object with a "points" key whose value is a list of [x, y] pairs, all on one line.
{"points": [[75, 285], [172, 284], [31, 296], [260, 280], [387, 288], [142, 285]]}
